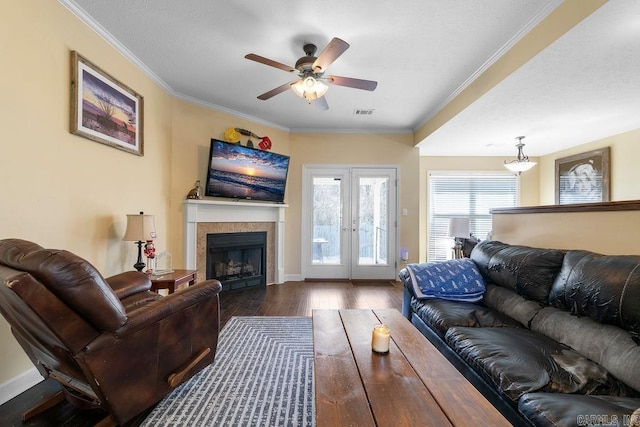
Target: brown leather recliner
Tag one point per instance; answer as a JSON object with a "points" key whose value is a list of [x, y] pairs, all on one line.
{"points": [[110, 342]]}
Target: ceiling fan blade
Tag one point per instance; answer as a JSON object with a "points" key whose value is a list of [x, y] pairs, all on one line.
{"points": [[321, 103], [351, 82], [270, 62], [334, 49], [276, 91]]}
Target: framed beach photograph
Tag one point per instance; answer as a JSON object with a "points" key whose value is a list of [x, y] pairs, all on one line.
{"points": [[583, 178], [103, 109]]}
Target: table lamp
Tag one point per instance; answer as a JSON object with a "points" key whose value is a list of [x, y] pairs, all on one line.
{"points": [[458, 229], [140, 228]]}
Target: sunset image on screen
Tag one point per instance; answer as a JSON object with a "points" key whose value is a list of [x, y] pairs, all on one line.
{"points": [[242, 172]]}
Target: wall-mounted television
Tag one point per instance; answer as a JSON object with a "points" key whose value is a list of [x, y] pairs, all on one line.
{"points": [[240, 172]]}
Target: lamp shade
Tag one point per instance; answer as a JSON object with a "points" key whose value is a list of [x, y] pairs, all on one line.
{"points": [[140, 227], [522, 162], [519, 166], [459, 227]]}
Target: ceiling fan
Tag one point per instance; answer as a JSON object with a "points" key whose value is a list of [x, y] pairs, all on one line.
{"points": [[311, 85]]}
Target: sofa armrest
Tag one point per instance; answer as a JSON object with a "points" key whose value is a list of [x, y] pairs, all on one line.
{"points": [[128, 283], [159, 309], [405, 278], [406, 303]]}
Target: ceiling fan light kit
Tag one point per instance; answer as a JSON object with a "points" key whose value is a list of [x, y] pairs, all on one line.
{"points": [[312, 84], [309, 88], [521, 163]]}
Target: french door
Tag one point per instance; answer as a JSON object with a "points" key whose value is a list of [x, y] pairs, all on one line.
{"points": [[349, 223]]}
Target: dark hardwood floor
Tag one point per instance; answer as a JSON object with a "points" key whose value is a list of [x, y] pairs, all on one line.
{"points": [[288, 299]]}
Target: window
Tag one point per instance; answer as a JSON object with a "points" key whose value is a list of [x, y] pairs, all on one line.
{"points": [[465, 194]]}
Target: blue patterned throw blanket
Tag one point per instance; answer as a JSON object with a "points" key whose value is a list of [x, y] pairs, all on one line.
{"points": [[457, 280]]}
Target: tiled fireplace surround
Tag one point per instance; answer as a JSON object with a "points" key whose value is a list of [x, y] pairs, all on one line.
{"points": [[202, 217]]}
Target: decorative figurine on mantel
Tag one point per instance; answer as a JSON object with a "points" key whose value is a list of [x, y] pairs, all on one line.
{"points": [[196, 192]]}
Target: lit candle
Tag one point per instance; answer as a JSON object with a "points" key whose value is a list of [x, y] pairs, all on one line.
{"points": [[380, 339]]}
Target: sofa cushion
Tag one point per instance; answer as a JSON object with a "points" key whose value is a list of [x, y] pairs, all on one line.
{"points": [[528, 271], [603, 287], [456, 280], [544, 409], [518, 361], [441, 314], [513, 305], [607, 345]]}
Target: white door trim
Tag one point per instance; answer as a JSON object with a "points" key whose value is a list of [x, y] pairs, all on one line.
{"points": [[305, 223]]}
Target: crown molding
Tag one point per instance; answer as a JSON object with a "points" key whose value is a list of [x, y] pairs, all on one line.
{"points": [[83, 16]]}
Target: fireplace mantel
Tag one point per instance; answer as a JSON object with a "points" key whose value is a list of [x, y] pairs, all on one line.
{"points": [[214, 211]]}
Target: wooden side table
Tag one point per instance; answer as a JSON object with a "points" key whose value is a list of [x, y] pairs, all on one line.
{"points": [[173, 280]]}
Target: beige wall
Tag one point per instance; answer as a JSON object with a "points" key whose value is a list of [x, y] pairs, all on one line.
{"points": [[64, 191], [349, 149], [193, 126], [625, 150], [604, 232], [611, 232], [58, 189], [69, 192]]}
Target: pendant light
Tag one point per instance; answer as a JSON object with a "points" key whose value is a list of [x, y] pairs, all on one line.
{"points": [[521, 163]]}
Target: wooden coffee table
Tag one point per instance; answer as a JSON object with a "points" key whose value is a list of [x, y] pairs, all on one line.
{"points": [[412, 385]]}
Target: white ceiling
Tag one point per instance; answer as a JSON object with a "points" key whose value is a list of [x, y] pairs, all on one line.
{"points": [[422, 53]]}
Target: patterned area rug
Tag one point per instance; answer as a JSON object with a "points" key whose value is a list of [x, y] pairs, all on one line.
{"points": [[262, 376]]}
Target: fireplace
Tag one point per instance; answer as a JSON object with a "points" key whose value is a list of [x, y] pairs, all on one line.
{"points": [[237, 260], [203, 217]]}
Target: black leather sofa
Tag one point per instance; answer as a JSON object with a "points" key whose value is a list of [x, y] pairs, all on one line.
{"points": [[555, 338]]}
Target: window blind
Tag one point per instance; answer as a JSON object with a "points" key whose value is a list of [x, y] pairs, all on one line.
{"points": [[465, 194]]}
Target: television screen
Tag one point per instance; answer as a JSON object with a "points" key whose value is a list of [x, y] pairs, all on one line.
{"points": [[241, 172]]}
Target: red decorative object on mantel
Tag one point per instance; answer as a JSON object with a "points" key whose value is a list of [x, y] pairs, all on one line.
{"points": [[233, 135], [265, 143]]}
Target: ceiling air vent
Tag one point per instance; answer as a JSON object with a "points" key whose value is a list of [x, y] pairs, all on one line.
{"points": [[359, 112]]}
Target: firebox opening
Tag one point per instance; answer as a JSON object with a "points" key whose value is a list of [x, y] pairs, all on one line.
{"points": [[237, 260]]}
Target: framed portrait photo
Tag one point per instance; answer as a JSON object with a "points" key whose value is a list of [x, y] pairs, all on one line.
{"points": [[104, 109], [583, 178]]}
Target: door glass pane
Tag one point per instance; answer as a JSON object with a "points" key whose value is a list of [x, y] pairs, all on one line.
{"points": [[373, 220], [327, 220]]}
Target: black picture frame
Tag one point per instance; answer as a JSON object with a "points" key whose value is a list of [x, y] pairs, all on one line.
{"points": [[583, 178]]}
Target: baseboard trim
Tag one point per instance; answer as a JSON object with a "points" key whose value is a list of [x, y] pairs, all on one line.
{"points": [[19, 384], [293, 278]]}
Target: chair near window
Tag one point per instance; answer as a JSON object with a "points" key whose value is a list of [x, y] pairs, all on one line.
{"points": [[468, 245], [110, 343]]}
